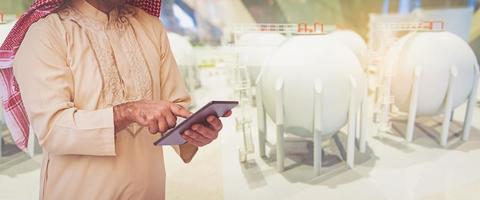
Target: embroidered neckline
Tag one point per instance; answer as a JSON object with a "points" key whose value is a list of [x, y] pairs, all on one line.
{"points": [[116, 19]]}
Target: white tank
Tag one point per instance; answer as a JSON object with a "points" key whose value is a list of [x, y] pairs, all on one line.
{"points": [[254, 48], [185, 56], [300, 61], [353, 41], [436, 53]]}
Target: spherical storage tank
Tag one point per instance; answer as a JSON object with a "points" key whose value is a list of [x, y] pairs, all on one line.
{"points": [[435, 53], [299, 62], [254, 48], [354, 41], [184, 55]]}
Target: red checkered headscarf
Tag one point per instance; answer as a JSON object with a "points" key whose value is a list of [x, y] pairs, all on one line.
{"points": [[14, 111]]}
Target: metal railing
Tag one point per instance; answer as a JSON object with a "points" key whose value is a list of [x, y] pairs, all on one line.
{"points": [[300, 28]]}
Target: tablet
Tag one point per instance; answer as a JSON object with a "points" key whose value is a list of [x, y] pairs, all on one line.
{"points": [[215, 108]]}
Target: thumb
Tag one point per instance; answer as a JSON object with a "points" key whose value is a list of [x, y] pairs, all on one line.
{"points": [[180, 111]]}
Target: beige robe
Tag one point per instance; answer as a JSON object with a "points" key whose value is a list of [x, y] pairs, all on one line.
{"points": [[72, 67]]}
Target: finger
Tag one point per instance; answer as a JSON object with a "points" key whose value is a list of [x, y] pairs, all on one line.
{"points": [[228, 114], [215, 123], [192, 141], [205, 131], [142, 119], [171, 119], [199, 138], [153, 126], [162, 125], [180, 111]]}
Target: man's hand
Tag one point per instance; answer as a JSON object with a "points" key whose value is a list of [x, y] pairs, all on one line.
{"points": [[158, 116], [201, 135]]}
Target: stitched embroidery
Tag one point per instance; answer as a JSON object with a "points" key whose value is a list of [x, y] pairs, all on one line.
{"points": [[133, 80]]}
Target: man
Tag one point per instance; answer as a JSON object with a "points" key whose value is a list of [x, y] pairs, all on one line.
{"points": [[98, 81]]}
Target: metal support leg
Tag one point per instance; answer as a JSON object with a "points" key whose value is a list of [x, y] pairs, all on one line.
{"points": [[364, 122], [467, 123], [317, 152], [262, 123], [352, 113], [412, 112], [317, 127], [357, 125], [448, 107], [279, 116]]}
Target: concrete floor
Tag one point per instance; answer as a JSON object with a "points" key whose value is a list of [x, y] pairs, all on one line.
{"points": [[391, 168]]}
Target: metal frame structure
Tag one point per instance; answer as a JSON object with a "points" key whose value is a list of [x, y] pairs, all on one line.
{"points": [[301, 28]]}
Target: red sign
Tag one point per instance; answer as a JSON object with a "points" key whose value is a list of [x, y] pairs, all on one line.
{"points": [[310, 28]]}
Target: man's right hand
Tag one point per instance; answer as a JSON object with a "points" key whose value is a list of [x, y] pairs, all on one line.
{"points": [[158, 116]]}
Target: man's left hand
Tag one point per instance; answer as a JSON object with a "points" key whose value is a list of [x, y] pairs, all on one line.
{"points": [[201, 134]]}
